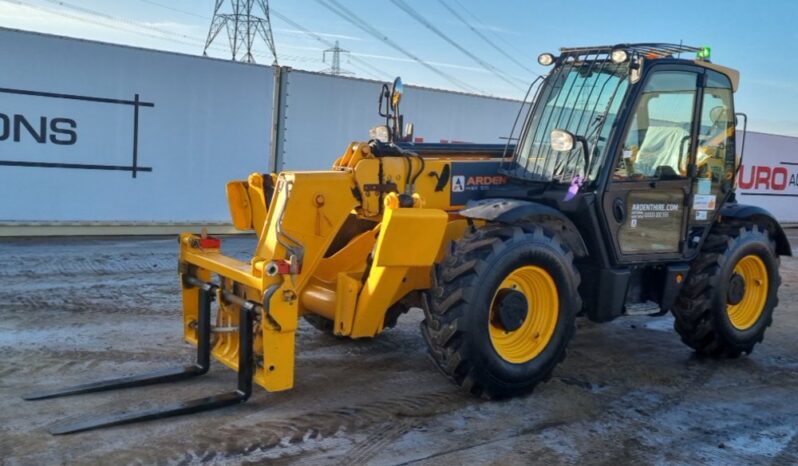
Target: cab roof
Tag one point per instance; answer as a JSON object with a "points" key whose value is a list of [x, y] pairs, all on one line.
{"points": [[653, 51]]}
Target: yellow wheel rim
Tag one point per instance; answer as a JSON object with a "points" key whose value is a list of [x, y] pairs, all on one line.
{"points": [[746, 313], [543, 308]]}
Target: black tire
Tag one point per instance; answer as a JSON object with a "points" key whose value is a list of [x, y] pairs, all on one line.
{"points": [[456, 318], [701, 317]]}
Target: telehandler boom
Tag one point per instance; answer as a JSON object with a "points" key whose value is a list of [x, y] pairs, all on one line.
{"points": [[619, 198]]}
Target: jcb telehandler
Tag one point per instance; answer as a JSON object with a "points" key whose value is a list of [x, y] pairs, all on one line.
{"points": [[618, 198]]}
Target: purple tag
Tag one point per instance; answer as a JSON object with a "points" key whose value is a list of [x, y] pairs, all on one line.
{"points": [[576, 183]]}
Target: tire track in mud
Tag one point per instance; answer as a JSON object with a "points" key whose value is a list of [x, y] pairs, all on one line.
{"points": [[130, 303], [376, 442], [83, 266], [44, 362], [469, 453], [619, 420], [253, 441]]}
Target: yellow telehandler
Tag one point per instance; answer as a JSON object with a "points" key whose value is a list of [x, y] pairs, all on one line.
{"points": [[618, 199]]}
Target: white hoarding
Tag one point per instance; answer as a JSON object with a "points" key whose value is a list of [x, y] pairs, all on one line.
{"points": [[104, 133], [325, 113], [768, 176], [93, 132]]}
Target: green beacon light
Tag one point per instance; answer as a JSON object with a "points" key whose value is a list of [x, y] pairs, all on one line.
{"points": [[704, 54]]}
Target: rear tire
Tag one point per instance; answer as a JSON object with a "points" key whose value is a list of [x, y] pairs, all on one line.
{"points": [[490, 343], [727, 302]]}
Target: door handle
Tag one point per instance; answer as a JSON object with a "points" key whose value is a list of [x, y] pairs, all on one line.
{"points": [[619, 210]]}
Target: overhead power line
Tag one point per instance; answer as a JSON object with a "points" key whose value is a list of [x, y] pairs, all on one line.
{"points": [[424, 22], [151, 2], [97, 18], [479, 20], [348, 15], [330, 43], [483, 36], [104, 20], [364, 66], [116, 19]]}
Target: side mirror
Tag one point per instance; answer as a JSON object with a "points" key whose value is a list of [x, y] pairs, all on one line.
{"points": [[562, 140], [396, 93]]}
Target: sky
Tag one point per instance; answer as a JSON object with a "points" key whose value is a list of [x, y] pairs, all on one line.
{"points": [[484, 47]]}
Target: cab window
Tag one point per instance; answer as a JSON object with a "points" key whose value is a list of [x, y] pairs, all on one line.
{"points": [[658, 139]]}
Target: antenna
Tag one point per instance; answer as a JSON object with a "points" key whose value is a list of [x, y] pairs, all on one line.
{"points": [[242, 24], [335, 67]]}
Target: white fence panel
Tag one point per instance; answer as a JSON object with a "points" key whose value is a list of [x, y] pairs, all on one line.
{"points": [[769, 175], [325, 113], [94, 132], [104, 133]]}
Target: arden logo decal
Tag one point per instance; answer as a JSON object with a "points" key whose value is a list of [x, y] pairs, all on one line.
{"points": [[458, 184], [471, 179]]}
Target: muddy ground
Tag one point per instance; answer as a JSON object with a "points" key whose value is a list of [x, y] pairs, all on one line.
{"points": [[629, 391]]}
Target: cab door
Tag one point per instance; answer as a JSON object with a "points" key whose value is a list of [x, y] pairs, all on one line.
{"points": [[646, 200]]}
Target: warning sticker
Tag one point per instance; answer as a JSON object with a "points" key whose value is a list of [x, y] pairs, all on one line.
{"points": [[700, 214], [704, 185], [704, 202], [471, 179]]}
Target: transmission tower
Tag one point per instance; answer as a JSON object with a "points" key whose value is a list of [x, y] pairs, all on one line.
{"points": [[335, 66], [242, 24]]}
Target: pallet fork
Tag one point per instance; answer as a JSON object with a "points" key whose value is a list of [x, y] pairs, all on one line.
{"points": [[207, 291]]}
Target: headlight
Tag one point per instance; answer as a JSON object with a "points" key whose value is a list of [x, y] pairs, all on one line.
{"points": [[562, 140], [545, 59], [380, 133], [619, 56]]}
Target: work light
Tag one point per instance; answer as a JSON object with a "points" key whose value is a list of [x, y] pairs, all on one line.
{"points": [[619, 56], [545, 59]]}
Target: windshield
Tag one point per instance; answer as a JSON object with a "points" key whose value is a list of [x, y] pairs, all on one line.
{"points": [[583, 98]]}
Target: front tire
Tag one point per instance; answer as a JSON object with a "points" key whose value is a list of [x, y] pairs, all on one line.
{"points": [[503, 308], [727, 302]]}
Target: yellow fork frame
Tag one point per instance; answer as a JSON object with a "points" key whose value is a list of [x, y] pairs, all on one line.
{"points": [[289, 274]]}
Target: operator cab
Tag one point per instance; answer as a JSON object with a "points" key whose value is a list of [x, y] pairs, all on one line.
{"points": [[647, 134]]}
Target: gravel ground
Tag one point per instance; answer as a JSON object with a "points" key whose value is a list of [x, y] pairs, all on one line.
{"points": [[77, 309]]}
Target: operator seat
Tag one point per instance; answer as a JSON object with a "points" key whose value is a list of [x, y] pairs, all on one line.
{"points": [[660, 148]]}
